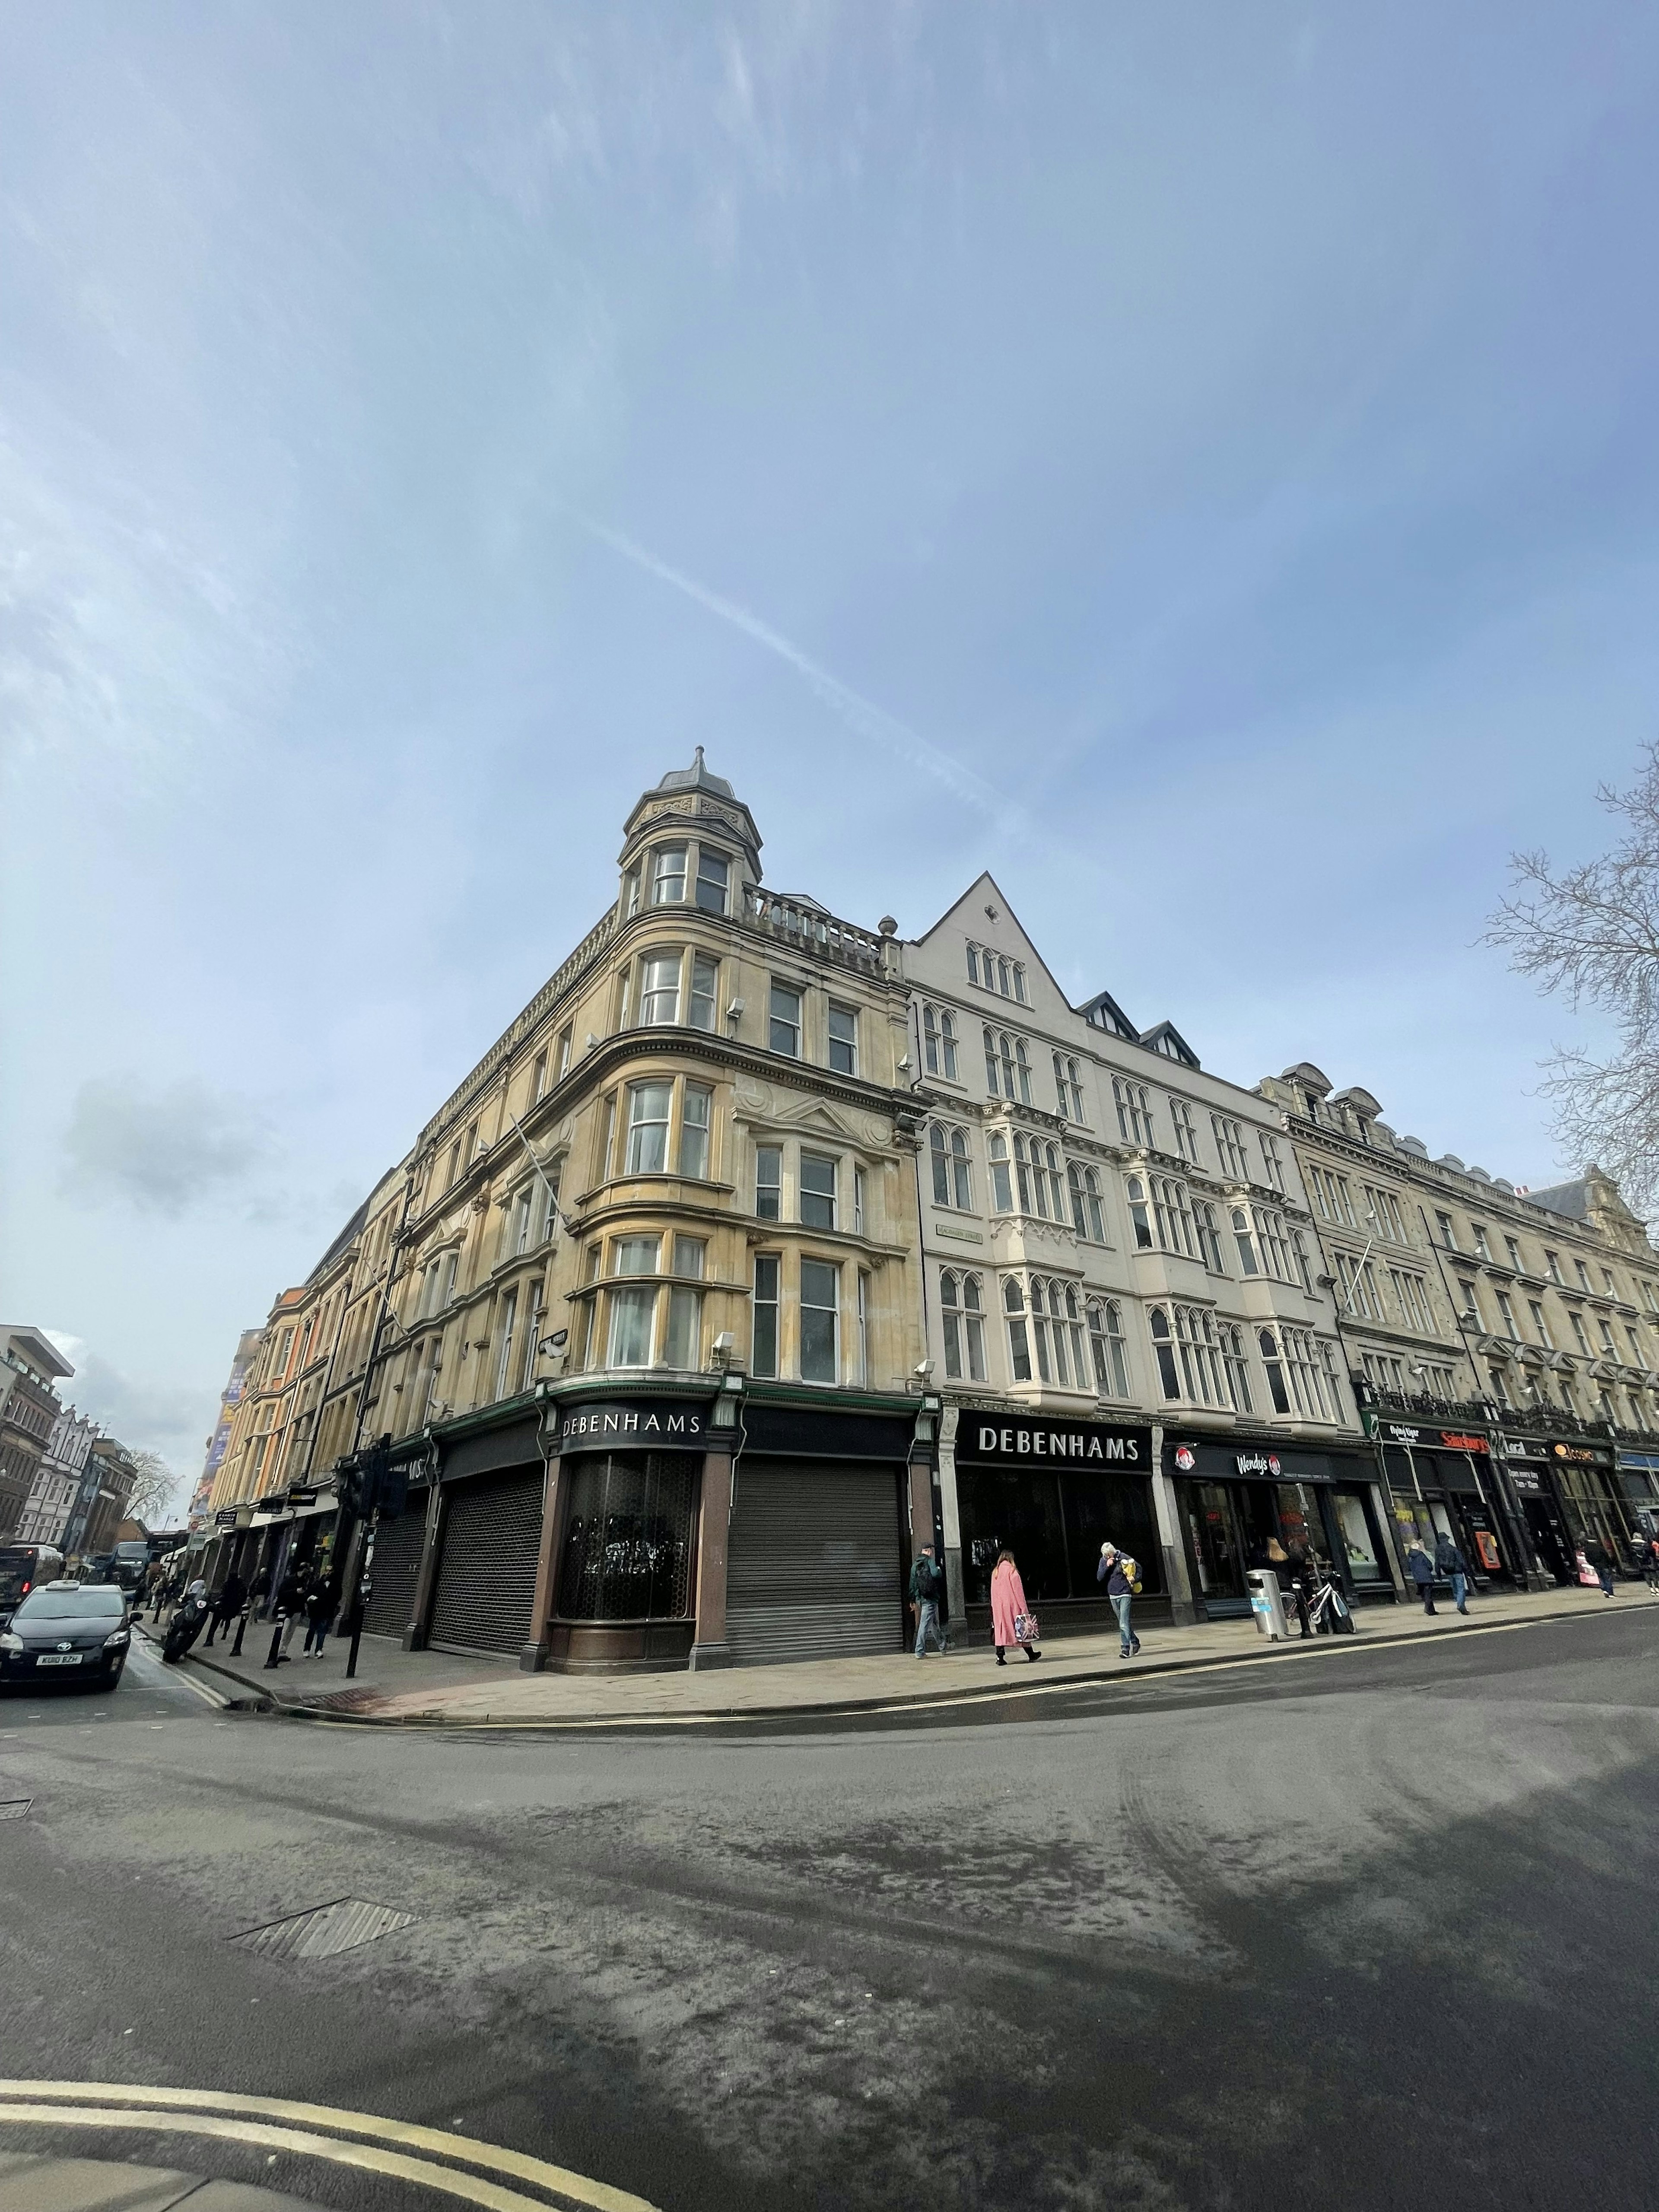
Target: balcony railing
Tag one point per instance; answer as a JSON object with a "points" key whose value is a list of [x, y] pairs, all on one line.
{"points": [[808, 929], [1440, 1412]]}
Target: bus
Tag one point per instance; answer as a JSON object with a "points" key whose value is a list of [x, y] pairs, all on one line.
{"points": [[21, 1566]]}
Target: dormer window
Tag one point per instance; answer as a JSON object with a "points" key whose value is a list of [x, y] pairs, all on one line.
{"points": [[713, 880], [668, 876]]}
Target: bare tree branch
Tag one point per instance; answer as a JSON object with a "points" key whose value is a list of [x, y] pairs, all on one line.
{"points": [[153, 1486], [1591, 934]]}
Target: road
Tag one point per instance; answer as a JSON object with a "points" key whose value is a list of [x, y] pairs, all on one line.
{"points": [[1373, 1930]]}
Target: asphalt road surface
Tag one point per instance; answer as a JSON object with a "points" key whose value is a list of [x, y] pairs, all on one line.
{"points": [[1376, 1929]]}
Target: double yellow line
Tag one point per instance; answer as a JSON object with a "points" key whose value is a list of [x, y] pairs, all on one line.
{"points": [[458, 2165]]}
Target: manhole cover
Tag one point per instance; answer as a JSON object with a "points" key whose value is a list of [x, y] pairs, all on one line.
{"points": [[12, 1808], [325, 1929]]}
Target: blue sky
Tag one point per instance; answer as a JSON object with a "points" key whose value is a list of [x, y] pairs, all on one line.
{"points": [[1197, 461]]}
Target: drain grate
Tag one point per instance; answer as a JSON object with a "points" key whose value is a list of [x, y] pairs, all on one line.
{"points": [[12, 1808], [325, 1931]]}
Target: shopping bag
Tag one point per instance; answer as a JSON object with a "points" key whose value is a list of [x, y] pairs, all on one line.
{"points": [[1025, 1628]]}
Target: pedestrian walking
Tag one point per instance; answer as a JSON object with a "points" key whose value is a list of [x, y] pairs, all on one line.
{"points": [[258, 1591], [927, 1584], [319, 1611], [1652, 1564], [1295, 1576], [1421, 1567], [1600, 1560], [1450, 1564], [290, 1604], [152, 1596], [1120, 1575], [227, 1606], [1012, 1620]]}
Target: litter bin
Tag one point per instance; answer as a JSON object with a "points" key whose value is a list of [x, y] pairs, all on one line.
{"points": [[1267, 1603]]}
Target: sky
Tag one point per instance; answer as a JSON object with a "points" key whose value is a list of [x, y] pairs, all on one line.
{"points": [[1199, 462]]}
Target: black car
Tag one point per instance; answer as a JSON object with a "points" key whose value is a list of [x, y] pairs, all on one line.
{"points": [[67, 1631]]}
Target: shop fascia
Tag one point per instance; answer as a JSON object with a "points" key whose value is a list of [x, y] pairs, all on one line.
{"points": [[1527, 1457], [1076, 1442]]}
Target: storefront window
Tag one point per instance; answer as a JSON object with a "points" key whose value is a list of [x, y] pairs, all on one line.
{"points": [[628, 1540], [1055, 1524], [1360, 1547], [1097, 1512], [1015, 1510]]}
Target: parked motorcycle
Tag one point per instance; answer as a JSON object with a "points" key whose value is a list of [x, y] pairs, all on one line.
{"points": [[189, 1618]]}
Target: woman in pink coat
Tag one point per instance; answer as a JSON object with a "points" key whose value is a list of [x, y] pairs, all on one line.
{"points": [[1007, 1602]]}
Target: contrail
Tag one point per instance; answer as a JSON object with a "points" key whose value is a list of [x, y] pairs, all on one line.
{"points": [[871, 722]]}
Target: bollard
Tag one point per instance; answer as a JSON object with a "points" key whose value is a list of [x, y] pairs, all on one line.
{"points": [[275, 1658]]}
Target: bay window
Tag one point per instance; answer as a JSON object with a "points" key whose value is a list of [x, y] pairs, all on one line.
{"points": [[696, 1110], [1002, 1190], [660, 988], [700, 1005], [648, 1106], [713, 880], [1087, 1218], [668, 876], [1106, 1348], [768, 1182], [963, 1326]]}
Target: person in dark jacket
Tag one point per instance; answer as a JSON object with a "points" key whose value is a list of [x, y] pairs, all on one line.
{"points": [[927, 1586], [319, 1613], [1451, 1566], [1295, 1576], [290, 1602], [1421, 1567], [228, 1600], [1597, 1556], [1114, 1571]]}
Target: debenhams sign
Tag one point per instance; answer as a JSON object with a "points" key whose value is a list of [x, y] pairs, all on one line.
{"points": [[1078, 1443], [673, 1423]]}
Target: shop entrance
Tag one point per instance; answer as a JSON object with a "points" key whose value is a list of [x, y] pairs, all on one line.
{"points": [[1548, 1538], [1217, 1548]]}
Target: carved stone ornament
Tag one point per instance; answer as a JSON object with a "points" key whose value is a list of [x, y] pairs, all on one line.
{"points": [[876, 1131], [754, 1096]]}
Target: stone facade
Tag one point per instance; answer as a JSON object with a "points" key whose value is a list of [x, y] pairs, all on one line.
{"points": [[1524, 1324], [1110, 1235]]}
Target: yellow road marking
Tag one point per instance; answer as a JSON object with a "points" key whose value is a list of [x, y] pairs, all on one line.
{"points": [[250, 2119]]}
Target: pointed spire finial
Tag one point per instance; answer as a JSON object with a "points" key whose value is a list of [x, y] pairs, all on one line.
{"points": [[697, 762]]}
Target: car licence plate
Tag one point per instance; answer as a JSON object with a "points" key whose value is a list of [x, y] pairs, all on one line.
{"points": [[59, 1659]]}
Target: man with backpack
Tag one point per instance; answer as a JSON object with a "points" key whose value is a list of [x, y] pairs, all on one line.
{"points": [[927, 1586], [1121, 1576], [1449, 1563]]}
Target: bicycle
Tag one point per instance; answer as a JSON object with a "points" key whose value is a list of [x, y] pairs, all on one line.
{"points": [[1328, 1611]]}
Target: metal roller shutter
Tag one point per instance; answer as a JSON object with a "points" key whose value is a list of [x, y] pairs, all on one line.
{"points": [[812, 1568], [487, 1567], [397, 1569]]}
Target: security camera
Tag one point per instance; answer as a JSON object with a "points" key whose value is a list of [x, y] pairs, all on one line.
{"points": [[723, 1341], [924, 1371], [734, 1010], [905, 1065]]}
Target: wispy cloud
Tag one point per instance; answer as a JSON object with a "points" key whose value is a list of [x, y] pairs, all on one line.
{"points": [[164, 1152], [145, 1416], [862, 715]]}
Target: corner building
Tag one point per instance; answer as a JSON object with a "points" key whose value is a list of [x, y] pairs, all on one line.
{"points": [[636, 1316]]}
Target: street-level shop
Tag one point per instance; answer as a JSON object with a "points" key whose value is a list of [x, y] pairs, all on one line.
{"points": [[1052, 1492], [1235, 1498], [1442, 1483], [595, 1531], [1568, 1493]]}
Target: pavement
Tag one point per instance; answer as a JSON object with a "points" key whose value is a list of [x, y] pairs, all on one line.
{"points": [[97, 2184], [1367, 1927], [428, 1688]]}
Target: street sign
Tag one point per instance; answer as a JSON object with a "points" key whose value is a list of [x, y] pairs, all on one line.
{"points": [[225, 1518]]}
